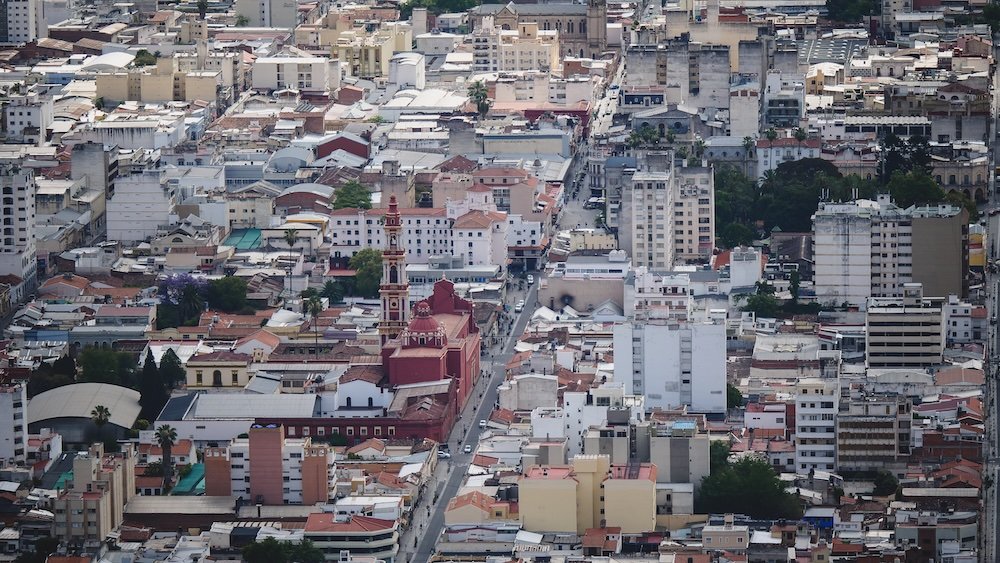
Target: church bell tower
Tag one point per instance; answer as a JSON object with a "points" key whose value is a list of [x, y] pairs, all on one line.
{"points": [[395, 289]]}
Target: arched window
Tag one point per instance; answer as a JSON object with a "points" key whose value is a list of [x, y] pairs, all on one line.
{"points": [[217, 378], [583, 30], [393, 274], [348, 402], [371, 402], [569, 27]]}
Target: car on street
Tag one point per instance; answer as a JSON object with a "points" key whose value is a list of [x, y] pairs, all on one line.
{"points": [[443, 455], [482, 424], [519, 307], [531, 279], [467, 449]]}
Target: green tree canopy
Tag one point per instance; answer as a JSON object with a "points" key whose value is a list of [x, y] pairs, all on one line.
{"points": [[367, 266], [851, 11], [171, 369], [271, 550], [749, 486], [903, 156], [152, 392], [718, 455], [480, 96], [228, 294], [144, 58], [101, 365], [914, 188], [885, 483], [352, 195], [734, 398]]}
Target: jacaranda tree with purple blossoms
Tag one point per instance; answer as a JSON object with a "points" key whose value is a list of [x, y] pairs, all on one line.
{"points": [[182, 300]]}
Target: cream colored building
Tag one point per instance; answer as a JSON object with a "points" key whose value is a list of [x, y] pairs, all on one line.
{"points": [[218, 370], [94, 504], [727, 537], [309, 74], [523, 49], [162, 83], [590, 493], [367, 55]]}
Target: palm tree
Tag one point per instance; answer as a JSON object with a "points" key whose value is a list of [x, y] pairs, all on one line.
{"points": [[191, 302], [480, 95], [699, 148], [315, 307], [100, 417], [771, 134], [331, 290], [800, 135], [166, 437], [291, 236]]}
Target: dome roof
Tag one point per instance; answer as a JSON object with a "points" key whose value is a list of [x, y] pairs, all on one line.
{"points": [[423, 322]]}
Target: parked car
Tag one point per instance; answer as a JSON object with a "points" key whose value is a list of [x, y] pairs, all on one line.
{"points": [[482, 424], [519, 307], [467, 449], [531, 279], [443, 455]]}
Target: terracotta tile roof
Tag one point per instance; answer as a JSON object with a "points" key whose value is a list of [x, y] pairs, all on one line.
{"points": [[263, 336], [324, 522], [373, 374], [504, 416], [70, 280], [479, 219], [477, 499], [221, 356], [485, 460], [115, 292], [370, 443], [458, 163]]}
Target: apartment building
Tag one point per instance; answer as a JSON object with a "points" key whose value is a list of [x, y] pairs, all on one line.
{"points": [[13, 422], [696, 74], [770, 153], [308, 74], [27, 118], [589, 493], [904, 332], [525, 48], [428, 232], [142, 203], [94, 503], [17, 246], [164, 82], [963, 321], [268, 13], [870, 248], [664, 360], [873, 432], [268, 468], [816, 408], [22, 22], [360, 536]]}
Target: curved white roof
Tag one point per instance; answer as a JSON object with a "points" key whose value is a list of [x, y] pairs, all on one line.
{"points": [[79, 399], [320, 189], [109, 61]]}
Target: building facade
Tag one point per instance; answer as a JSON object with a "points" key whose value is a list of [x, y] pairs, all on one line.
{"points": [[13, 422], [816, 408], [873, 432], [904, 332]]}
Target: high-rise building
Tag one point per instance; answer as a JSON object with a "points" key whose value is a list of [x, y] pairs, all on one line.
{"points": [[873, 432], [870, 248], [17, 245], [94, 504], [395, 288], [904, 332], [282, 14], [815, 424], [21, 21], [13, 422], [268, 468], [665, 361]]}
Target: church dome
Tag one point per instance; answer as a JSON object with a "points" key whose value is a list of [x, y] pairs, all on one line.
{"points": [[424, 330]]}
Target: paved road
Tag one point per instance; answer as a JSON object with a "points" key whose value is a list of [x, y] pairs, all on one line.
{"points": [[467, 430]]}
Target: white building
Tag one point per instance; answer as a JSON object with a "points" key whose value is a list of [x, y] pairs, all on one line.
{"points": [[27, 118], [293, 451], [24, 21], [407, 70], [13, 422], [904, 332], [480, 237], [870, 248], [816, 405], [526, 48], [307, 74], [660, 294], [786, 149], [269, 13], [142, 203], [961, 326], [17, 246], [427, 231], [673, 363], [584, 409]]}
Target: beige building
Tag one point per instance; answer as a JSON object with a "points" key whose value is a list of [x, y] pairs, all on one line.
{"points": [[727, 537], [904, 332], [162, 83], [525, 48], [218, 369], [367, 55], [94, 503], [873, 432], [590, 493]]}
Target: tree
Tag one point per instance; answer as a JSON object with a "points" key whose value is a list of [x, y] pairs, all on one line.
{"points": [[152, 393], [154, 469], [748, 145], [643, 136], [480, 96], [914, 188], [352, 195], [291, 236], [762, 305], [800, 135], [902, 156], [166, 437], [100, 416], [959, 199], [315, 307], [242, 21], [734, 399], [144, 58], [794, 283], [202, 8], [851, 11], [65, 366], [750, 486], [171, 369], [271, 550], [228, 294], [332, 291], [885, 483], [42, 548], [182, 300], [101, 365], [367, 266], [771, 134], [735, 234], [718, 455]]}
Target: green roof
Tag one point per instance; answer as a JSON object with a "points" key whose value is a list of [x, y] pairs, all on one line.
{"points": [[244, 239]]}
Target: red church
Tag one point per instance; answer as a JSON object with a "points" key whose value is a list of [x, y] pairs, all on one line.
{"points": [[429, 363]]}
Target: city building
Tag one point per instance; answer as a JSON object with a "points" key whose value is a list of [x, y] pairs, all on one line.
{"points": [[358, 536], [13, 422], [904, 332], [268, 13], [23, 21], [869, 248], [268, 468], [582, 28], [18, 244], [94, 504], [873, 432], [816, 408]]}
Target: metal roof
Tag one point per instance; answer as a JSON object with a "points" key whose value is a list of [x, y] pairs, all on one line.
{"points": [[79, 399]]}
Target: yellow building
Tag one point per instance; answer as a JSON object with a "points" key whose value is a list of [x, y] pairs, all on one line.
{"points": [[592, 493], [162, 83], [94, 504], [218, 369]]}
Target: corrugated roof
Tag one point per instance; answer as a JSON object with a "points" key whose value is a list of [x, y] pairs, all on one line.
{"points": [[79, 399]]}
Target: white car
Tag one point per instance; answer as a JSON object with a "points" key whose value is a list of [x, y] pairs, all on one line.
{"points": [[519, 307], [531, 279], [467, 449], [482, 424], [443, 455]]}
